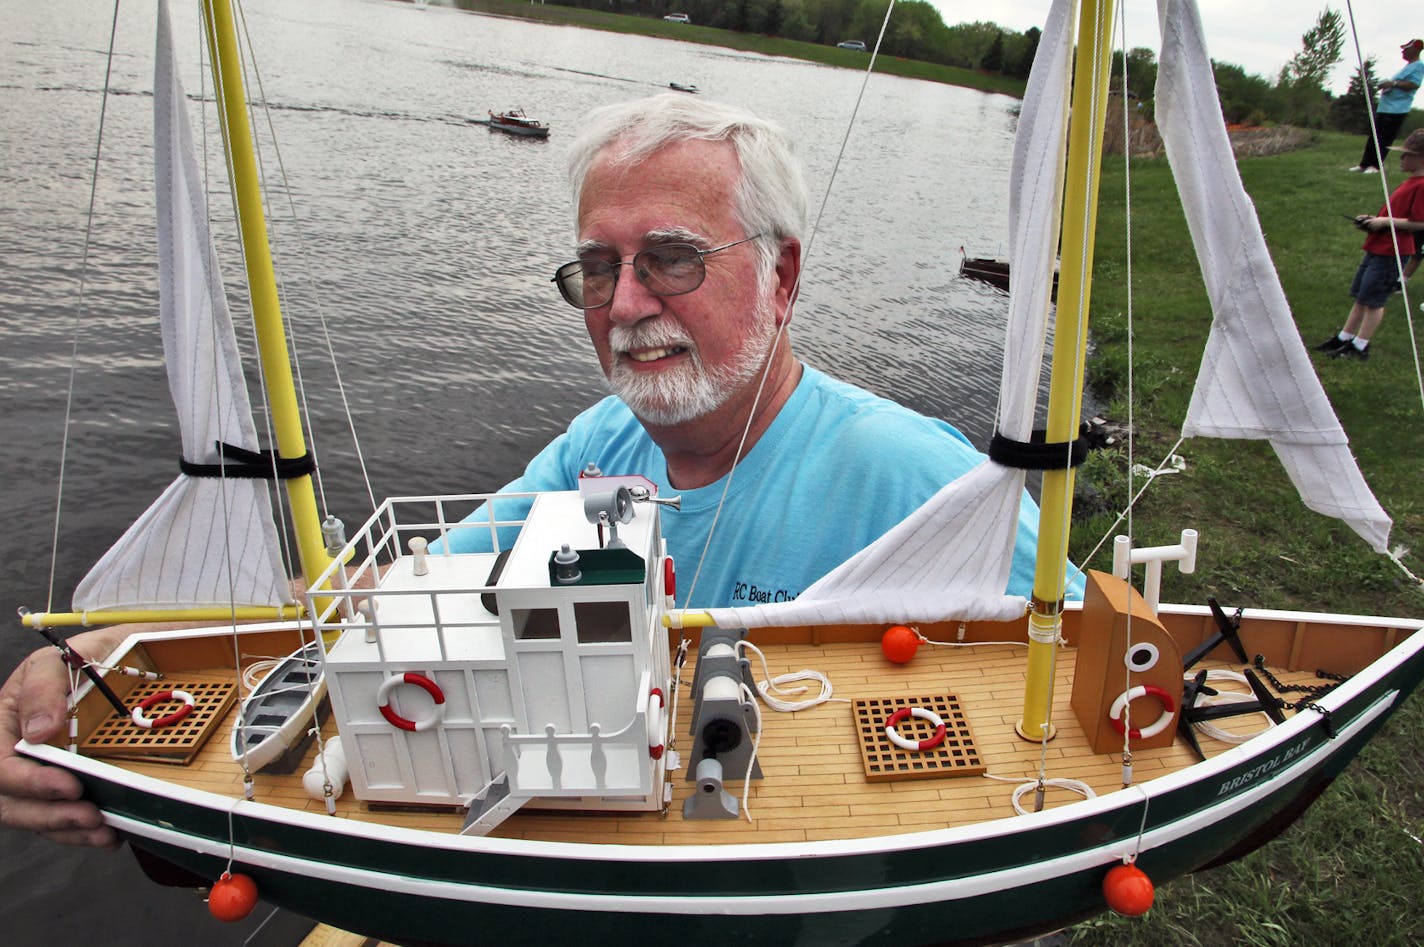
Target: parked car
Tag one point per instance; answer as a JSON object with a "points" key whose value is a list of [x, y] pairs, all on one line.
{"points": [[678, 18], [852, 44]]}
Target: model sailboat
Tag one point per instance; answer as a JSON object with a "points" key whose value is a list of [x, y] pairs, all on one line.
{"points": [[484, 705]]}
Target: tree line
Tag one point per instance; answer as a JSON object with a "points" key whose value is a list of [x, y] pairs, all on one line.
{"points": [[1296, 96]]}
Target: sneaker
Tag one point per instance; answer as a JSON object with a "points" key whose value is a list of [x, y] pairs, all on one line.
{"points": [[1349, 351], [1357, 169], [1332, 344], [1371, 170]]}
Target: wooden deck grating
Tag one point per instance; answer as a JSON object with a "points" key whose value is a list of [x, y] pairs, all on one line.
{"points": [[118, 737], [954, 755]]}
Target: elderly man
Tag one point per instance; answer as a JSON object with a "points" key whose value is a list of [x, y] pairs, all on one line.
{"points": [[690, 217]]}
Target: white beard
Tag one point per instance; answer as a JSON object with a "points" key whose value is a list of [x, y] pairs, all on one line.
{"points": [[691, 389]]}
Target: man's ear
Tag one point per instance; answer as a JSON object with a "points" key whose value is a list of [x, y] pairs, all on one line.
{"points": [[788, 273]]}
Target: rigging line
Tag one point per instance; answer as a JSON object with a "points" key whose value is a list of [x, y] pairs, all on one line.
{"points": [[257, 104], [302, 249], [222, 416], [277, 494], [291, 557], [1093, 170], [791, 305], [79, 311], [1126, 513], [1396, 557], [1127, 226]]}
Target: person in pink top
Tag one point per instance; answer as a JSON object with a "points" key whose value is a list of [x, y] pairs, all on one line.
{"points": [[1389, 245]]}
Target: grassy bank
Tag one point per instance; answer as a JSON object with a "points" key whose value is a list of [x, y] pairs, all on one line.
{"points": [[1352, 870], [748, 42]]}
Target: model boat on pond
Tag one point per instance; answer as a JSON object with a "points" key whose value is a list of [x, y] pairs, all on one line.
{"points": [[515, 122]]}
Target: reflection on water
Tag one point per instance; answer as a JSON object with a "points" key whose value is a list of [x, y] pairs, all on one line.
{"points": [[423, 244]]}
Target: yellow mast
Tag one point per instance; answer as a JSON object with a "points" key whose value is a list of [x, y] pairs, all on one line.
{"points": [[262, 281], [1092, 68]]}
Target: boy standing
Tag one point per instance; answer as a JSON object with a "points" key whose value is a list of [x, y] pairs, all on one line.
{"points": [[1378, 275]]}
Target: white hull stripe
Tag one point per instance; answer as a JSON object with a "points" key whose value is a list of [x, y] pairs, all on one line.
{"points": [[818, 902]]}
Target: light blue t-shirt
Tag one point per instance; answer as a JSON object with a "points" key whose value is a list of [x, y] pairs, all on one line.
{"points": [[1398, 101], [837, 468]]}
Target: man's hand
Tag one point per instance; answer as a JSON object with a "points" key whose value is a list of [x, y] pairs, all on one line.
{"points": [[33, 705]]}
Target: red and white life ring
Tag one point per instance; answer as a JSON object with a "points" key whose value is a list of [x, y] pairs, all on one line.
{"points": [[669, 582], [1169, 707], [905, 713], [383, 696], [657, 724], [141, 720]]}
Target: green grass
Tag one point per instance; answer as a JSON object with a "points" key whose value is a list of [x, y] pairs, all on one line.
{"points": [[1351, 871]]}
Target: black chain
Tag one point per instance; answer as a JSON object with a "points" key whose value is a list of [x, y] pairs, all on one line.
{"points": [[1313, 691]]}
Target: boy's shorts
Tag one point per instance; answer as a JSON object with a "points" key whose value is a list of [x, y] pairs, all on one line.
{"points": [[1376, 279]]}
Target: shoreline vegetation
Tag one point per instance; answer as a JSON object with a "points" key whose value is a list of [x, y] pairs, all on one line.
{"points": [[747, 42], [1349, 870]]}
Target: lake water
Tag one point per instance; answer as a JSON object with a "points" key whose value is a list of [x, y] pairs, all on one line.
{"points": [[426, 244]]}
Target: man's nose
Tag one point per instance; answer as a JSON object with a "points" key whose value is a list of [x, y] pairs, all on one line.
{"points": [[632, 301]]}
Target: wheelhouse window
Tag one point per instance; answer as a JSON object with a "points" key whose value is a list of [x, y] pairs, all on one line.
{"points": [[534, 623], [603, 622]]}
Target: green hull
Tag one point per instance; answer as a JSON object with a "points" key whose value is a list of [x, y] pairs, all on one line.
{"points": [[987, 882]]}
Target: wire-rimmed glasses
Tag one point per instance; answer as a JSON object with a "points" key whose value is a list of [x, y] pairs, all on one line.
{"points": [[668, 269]]}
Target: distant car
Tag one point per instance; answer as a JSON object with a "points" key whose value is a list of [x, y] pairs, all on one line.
{"points": [[678, 18], [852, 44]]}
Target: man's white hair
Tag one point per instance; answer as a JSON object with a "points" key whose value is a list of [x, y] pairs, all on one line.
{"points": [[771, 196]]}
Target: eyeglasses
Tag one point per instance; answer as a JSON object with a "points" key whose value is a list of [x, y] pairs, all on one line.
{"points": [[669, 269]]}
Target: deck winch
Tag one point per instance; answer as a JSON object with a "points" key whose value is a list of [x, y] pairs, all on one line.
{"points": [[723, 722]]}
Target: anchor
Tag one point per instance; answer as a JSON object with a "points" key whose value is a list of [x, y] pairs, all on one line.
{"points": [[1265, 702], [1228, 630]]}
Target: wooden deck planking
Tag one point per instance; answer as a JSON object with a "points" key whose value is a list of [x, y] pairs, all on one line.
{"points": [[815, 786]]}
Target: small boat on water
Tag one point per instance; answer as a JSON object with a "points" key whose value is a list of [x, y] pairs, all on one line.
{"points": [[515, 122], [992, 271], [683, 87], [985, 270]]}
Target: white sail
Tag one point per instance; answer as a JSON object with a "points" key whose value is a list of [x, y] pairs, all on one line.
{"points": [[951, 558], [1256, 380], [206, 540]]}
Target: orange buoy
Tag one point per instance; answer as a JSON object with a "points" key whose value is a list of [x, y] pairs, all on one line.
{"points": [[899, 643], [1128, 890], [233, 897]]}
